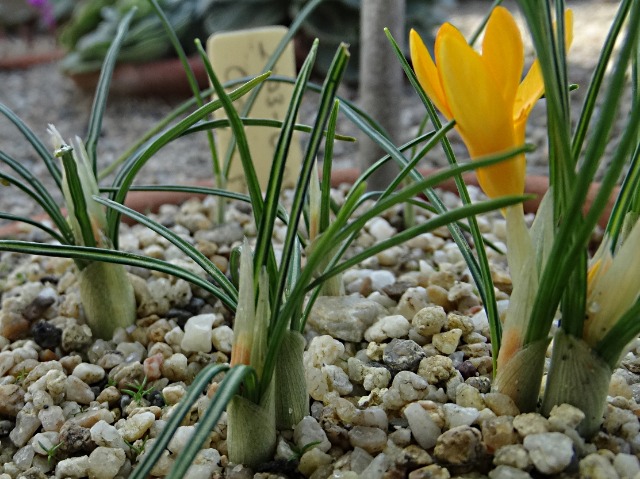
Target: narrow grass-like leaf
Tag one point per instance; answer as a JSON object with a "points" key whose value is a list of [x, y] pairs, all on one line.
{"points": [[598, 76], [268, 66], [21, 219], [573, 234], [266, 222], [239, 134], [200, 259], [76, 192], [327, 164], [330, 87], [102, 89], [152, 455], [38, 146], [229, 387], [193, 84], [85, 253], [125, 177], [457, 214], [224, 123], [625, 330], [39, 193], [624, 201]]}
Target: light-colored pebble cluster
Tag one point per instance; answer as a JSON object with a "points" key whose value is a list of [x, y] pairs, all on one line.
{"points": [[398, 370]]}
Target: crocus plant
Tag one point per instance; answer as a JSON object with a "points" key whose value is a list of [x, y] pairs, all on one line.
{"points": [[485, 96]]}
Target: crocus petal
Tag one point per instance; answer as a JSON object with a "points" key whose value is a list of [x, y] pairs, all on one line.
{"points": [[427, 73], [529, 92], [483, 118], [532, 87], [503, 52], [613, 288]]}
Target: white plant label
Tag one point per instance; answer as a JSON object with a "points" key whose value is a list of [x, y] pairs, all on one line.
{"points": [[240, 54]]}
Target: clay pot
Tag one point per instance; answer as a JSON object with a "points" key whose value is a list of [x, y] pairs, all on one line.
{"points": [[150, 201], [159, 78]]}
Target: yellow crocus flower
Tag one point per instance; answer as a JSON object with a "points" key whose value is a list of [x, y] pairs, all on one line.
{"points": [[484, 93]]}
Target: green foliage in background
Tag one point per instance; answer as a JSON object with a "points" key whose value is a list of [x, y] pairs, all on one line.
{"points": [[88, 34]]}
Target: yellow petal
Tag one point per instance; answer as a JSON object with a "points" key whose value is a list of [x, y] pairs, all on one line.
{"points": [[483, 118], [427, 73], [532, 87], [503, 52]]}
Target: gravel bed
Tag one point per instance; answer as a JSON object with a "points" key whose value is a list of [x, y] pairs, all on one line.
{"points": [[398, 370], [42, 95]]}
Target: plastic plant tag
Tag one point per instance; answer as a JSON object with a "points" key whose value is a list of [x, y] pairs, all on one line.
{"points": [[240, 54]]}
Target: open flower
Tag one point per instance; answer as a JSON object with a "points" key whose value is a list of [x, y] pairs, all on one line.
{"points": [[483, 92]]}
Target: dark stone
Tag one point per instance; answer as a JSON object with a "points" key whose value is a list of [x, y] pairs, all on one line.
{"points": [[46, 335], [155, 398], [467, 369], [124, 401], [37, 307], [481, 383], [396, 290], [6, 427], [181, 316], [75, 438], [403, 355], [195, 305]]}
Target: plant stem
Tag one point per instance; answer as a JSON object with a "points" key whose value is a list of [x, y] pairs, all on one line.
{"points": [[107, 297], [251, 430], [520, 378], [578, 376], [292, 400]]}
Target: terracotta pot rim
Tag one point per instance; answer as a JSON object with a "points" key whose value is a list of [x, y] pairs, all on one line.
{"points": [[150, 201]]}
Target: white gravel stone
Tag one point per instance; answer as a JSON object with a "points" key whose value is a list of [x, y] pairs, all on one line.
{"points": [[78, 391], [180, 439], [455, 415], [337, 380], [377, 467], [27, 423], [371, 439], [136, 426], [104, 434], [311, 460], [423, 428], [6, 362], [205, 465], [73, 467], [46, 439], [447, 342], [388, 327], [307, 431], [344, 317], [508, 472], [23, 458], [565, 416], [197, 333], [429, 320], [175, 367], [381, 278], [627, 465], [172, 394], [550, 452], [104, 462], [222, 338], [51, 418], [380, 229], [597, 466], [323, 350], [412, 301]]}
